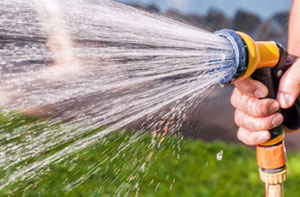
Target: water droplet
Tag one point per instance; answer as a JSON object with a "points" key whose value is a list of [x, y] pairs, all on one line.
{"points": [[220, 155], [157, 186], [2, 154]]}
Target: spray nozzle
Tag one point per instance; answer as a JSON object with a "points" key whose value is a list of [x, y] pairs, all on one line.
{"points": [[239, 50], [249, 55]]}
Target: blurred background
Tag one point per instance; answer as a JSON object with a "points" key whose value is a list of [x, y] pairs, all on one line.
{"points": [[263, 9], [262, 20]]}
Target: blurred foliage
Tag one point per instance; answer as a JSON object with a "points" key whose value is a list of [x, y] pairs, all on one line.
{"points": [[107, 168]]}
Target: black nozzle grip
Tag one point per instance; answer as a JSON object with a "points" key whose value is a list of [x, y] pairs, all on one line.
{"points": [[270, 77], [264, 75]]}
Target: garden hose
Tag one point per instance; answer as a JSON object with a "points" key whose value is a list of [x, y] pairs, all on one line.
{"points": [[265, 62]]}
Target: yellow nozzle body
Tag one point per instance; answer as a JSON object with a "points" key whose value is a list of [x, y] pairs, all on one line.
{"points": [[260, 54]]}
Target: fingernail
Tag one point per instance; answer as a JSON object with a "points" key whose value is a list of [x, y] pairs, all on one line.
{"points": [[285, 99], [264, 136], [259, 93], [277, 120], [274, 107]]}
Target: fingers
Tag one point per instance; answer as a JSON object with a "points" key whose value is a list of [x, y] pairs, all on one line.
{"points": [[253, 106], [253, 115], [289, 86], [252, 88], [253, 138], [257, 124]]}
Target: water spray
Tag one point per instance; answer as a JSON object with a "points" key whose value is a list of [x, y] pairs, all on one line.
{"points": [[265, 62], [53, 52]]}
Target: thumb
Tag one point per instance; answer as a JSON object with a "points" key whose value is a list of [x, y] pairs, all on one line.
{"points": [[289, 86]]}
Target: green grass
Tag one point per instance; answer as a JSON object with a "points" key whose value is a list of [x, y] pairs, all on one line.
{"points": [[197, 172]]}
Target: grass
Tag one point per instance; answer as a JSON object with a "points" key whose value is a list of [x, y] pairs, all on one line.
{"points": [[95, 171]]}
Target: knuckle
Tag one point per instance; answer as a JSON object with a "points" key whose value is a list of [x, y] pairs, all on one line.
{"points": [[240, 135], [266, 123], [264, 107], [248, 90], [252, 107], [238, 118], [255, 140], [250, 87], [258, 108], [235, 98], [243, 137]]}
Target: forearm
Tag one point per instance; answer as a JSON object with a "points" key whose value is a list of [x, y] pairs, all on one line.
{"points": [[294, 29]]}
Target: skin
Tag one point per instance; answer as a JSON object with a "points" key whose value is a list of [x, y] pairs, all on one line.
{"points": [[256, 115]]}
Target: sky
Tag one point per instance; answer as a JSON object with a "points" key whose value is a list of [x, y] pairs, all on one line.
{"points": [[263, 8]]}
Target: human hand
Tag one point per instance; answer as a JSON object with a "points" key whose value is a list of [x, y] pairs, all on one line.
{"points": [[256, 115]]}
